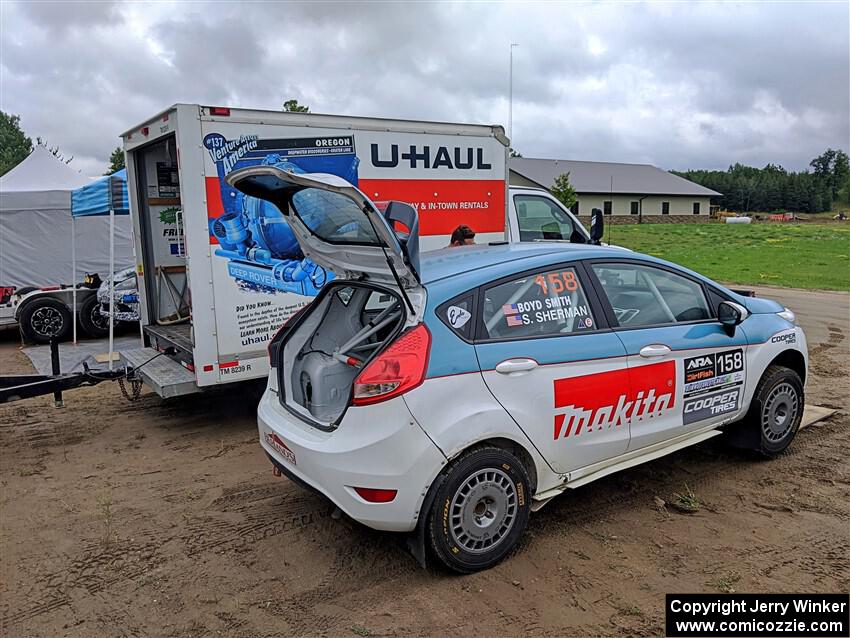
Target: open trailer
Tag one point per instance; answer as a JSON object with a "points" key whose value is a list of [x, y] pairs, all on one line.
{"points": [[220, 271]]}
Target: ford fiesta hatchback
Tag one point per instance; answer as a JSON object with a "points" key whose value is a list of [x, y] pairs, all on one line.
{"points": [[451, 394]]}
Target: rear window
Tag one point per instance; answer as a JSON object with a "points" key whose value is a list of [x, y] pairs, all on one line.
{"points": [[333, 218]]}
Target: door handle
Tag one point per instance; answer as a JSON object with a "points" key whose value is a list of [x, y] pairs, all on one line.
{"points": [[516, 365], [655, 350]]}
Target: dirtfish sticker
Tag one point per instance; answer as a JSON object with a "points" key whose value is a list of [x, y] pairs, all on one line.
{"points": [[229, 152]]}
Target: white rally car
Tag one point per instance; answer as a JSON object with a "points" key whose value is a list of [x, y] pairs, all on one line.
{"points": [[453, 394]]}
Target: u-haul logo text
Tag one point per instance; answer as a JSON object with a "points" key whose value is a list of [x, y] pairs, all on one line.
{"points": [[606, 400], [427, 157]]}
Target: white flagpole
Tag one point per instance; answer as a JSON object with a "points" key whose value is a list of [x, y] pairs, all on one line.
{"points": [[74, 274], [111, 281]]}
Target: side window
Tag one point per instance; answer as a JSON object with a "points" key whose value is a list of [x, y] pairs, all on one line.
{"points": [[646, 296], [541, 218], [457, 315], [542, 304]]}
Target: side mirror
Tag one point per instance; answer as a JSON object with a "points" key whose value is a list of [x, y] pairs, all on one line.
{"points": [[730, 314], [597, 226]]}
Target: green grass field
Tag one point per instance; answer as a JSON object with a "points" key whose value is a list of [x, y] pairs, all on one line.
{"points": [[792, 255]]}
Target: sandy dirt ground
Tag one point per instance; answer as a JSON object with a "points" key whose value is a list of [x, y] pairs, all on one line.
{"points": [[164, 519]]}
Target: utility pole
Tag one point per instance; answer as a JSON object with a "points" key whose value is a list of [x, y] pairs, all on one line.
{"points": [[511, 96]]}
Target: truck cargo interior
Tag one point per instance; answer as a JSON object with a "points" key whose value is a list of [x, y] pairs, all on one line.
{"points": [[161, 220], [322, 357]]}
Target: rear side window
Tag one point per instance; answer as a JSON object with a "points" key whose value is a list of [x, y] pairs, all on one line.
{"points": [[647, 296], [334, 218], [542, 304], [540, 218]]}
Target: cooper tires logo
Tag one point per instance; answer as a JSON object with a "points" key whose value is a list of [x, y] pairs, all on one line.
{"points": [[787, 338], [710, 406]]}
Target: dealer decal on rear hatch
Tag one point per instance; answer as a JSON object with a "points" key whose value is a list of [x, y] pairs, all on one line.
{"points": [[280, 447], [712, 385]]}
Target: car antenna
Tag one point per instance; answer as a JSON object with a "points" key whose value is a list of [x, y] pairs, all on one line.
{"points": [[612, 211]]}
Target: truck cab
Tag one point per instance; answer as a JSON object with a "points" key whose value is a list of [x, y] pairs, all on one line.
{"points": [[534, 214]]}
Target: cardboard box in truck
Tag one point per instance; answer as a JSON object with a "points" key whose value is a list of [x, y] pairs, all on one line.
{"points": [[219, 272]]}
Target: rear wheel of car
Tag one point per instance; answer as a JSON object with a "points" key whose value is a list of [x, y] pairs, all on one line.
{"points": [[775, 413], [44, 319], [480, 509], [94, 323]]}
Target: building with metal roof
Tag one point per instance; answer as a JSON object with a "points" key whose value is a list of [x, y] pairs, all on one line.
{"points": [[617, 189]]}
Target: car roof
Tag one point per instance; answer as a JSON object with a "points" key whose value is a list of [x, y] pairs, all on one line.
{"points": [[449, 272], [485, 260]]}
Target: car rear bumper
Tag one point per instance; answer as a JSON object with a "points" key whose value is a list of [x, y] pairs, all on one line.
{"points": [[379, 446]]}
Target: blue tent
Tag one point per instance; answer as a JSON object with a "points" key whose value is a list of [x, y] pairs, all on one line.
{"points": [[99, 197]]}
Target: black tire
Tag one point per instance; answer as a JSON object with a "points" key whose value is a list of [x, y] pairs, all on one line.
{"points": [[93, 323], [43, 319], [774, 415], [484, 485]]}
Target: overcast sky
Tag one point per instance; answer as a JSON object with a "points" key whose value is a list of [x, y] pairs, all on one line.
{"points": [[679, 85]]}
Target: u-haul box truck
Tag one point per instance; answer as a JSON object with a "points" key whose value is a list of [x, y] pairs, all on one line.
{"points": [[220, 271]]}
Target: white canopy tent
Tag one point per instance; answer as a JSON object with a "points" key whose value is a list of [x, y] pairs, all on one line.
{"points": [[37, 231]]}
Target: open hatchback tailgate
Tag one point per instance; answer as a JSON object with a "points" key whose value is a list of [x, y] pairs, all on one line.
{"points": [[337, 226]]}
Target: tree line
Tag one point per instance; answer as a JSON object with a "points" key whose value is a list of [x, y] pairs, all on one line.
{"points": [[772, 188]]}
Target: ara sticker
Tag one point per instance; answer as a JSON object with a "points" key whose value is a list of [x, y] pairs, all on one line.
{"points": [[457, 316]]}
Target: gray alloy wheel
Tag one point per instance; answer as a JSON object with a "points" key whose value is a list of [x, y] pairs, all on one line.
{"points": [[779, 412], [483, 510], [480, 508]]}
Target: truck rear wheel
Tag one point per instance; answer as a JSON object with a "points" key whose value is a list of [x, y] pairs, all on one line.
{"points": [[94, 324], [480, 510], [44, 319]]}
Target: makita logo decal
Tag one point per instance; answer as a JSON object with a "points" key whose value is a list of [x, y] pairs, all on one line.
{"points": [[607, 400], [426, 157]]}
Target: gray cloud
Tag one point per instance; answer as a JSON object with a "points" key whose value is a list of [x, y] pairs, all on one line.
{"points": [[678, 85]]}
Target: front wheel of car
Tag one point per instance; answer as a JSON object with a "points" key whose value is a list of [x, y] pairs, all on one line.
{"points": [[775, 413], [480, 509]]}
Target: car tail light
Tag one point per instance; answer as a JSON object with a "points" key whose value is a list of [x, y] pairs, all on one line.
{"points": [[399, 369], [221, 111], [274, 344], [374, 495]]}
